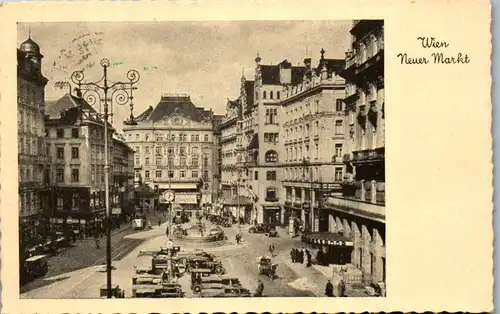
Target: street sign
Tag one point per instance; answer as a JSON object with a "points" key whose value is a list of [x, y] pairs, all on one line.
{"points": [[169, 196]]}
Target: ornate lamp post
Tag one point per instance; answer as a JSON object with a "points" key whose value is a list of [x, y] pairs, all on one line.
{"points": [[108, 93]]}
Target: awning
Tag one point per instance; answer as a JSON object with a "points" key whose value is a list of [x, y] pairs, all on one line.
{"points": [[327, 238], [144, 190], [178, 186]]}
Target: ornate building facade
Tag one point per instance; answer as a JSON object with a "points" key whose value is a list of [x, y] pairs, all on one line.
{"points": [[261, 127], [32, 153], [174, 147], [75, 138], [359, 213], [313, 140]]}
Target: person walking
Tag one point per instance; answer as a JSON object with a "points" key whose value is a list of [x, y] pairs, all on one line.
{"points": [[260, 289], [309, 262], [167, 231], [341, 288], [271, 250], [97, 243], [292, 255], [329, 289]]}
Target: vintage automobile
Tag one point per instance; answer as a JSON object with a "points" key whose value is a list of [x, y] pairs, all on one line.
{"points": [[146, 285], [116, 292], [266, 267], [144, 262], [171, 290], [272, 232], [204, 262], [34, 267], [200, 283], [259, 228], [228, 292]]}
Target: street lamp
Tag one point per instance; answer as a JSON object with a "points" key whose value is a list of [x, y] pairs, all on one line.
{"points": [[107, 92]]}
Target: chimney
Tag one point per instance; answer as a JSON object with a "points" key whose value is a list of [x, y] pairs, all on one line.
{"points": [[258, 59]]}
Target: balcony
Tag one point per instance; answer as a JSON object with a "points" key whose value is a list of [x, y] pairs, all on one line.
{"points": [[369, 155], [353, 206]]}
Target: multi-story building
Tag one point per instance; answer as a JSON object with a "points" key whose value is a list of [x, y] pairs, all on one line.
{"points": [[235, 198], [217, 160], [75, 142], [174, 149], [312, 140], [261, 126], [122, 182], [359, 214], [32, 154]]}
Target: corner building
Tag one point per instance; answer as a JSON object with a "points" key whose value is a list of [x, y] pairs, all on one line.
{"points": [[32, 154], [174, 150], [313, 132], [359, 213], [261, 127]]}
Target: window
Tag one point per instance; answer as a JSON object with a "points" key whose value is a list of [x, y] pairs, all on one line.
{"points": [[147, 161], [75, 175], [74, 133], [171, 174], [60, 153], [60, 175], [60, 203], [338, 150], [158, 150], [194, 174], [146, 137], [183, 161], [271, 116], [193, 138], [338, 105], [197, 137], [256, 175], [158, 173], [307, 129], [183, 174], [338, 174], [194, 150], [271, 94], [271, 176], [205, 161], [264, 95], [339, 127], [75, 152], [271, 156], [206, 137], [170, 161], [75, 202], [277, 95], [137, 161], [182, 150], [137, 149], [146, 174], [205, 174], [137, 175], [158, 161], [194, 161], [317, 106], [60, 133], [137, 137], [271, 137], [271, 195]]}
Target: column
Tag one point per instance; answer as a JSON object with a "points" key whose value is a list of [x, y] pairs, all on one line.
{"points": [[316, 212], [302, 212], [373, 191], [363, 191]]}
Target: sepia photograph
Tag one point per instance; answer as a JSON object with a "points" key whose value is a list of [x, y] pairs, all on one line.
{"points": [[201, 159], [202, 150]]}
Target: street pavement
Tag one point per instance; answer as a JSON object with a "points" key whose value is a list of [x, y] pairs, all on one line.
{"points": [[240, 260]]}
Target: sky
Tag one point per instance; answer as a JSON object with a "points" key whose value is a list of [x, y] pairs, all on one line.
{"points": [[204, 59]]}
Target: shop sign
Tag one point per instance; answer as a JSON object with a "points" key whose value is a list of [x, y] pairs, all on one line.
{"points": [[116, 211], [82, 221], [186, 198], [271, 207]]}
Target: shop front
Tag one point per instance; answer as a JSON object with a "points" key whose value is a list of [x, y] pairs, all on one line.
{"points": [[240, 208], [272, 214], [334, 248]]}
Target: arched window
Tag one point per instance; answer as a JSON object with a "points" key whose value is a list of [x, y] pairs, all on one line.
{"points": [[271, 156], [271, 195]]}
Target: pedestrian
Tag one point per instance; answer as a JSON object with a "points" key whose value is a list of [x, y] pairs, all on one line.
{"points": [[301, 256], [329, 289], [292, 255], [159, 222], [309, 261], [320, 257], [260, 289], [237, 239], [167, 231], [271, 249], [341, 288], [97, 243]]}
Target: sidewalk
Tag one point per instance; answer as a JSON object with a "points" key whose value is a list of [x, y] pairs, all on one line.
{"points": [[316, 280]]}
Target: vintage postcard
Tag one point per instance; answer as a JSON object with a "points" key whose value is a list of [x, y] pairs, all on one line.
{"points": [[197, 150]]}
